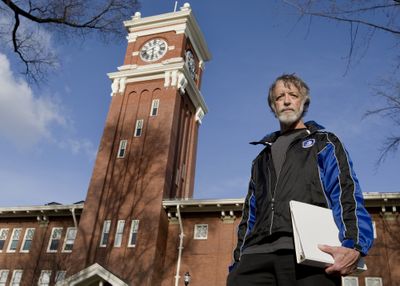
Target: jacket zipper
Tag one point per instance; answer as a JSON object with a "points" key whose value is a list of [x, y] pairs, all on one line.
{"points": [[273, 195], [277, 181]]}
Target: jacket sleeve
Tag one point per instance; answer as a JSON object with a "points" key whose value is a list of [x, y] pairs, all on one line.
{"points": [[344, 196], [246, 223]]}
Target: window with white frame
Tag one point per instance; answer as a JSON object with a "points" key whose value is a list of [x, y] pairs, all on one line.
{"points": [[105, 233], [44, 279], [60, 276], [200, 231], [122, 148], [15, 236], [16, 277], [69, 239], [154, 107], [55, 239], [119, 232], [27, 241], [3, 276], [349, 281], [139, 127], [3, 237], [373, 281], [133, 233]]}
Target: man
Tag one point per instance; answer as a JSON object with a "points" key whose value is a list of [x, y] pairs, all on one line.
{"points": [[305, 163]]}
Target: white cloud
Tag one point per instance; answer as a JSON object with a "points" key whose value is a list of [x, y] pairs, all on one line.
{"points": [[24, 118]]}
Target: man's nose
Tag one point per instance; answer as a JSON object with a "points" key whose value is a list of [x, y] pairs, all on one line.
{"points": [[287, 99]]}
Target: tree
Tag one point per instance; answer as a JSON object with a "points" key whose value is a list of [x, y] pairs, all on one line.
{"points": [[389, 90], [25, 26], [365, 19]]}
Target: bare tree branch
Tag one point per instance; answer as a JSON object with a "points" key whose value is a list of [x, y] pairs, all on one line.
{"points": [[68, 18], [366, 17], [389, 91], [335, 10]]}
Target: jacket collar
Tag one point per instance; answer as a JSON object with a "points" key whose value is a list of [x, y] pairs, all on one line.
{"points": [[311, 126]]}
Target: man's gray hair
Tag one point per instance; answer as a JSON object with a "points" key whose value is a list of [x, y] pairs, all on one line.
{"points": [[289, 79]]}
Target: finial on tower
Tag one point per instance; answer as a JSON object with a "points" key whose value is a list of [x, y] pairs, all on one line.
{"points": [[185, 7], [137, 15]]}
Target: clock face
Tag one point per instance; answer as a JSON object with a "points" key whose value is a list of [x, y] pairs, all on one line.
{"points": [[191, 63], [153, 50]]}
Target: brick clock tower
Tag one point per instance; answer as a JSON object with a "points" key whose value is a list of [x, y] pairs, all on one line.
{"points": [[148, 149]]}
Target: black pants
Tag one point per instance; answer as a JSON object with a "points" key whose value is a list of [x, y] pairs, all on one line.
{"points": [[277, 269]]}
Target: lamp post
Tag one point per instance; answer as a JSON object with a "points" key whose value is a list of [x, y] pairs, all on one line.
{"points": [[187, 278]]}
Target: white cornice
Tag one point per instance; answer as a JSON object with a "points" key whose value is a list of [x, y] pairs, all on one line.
{"points": [[35, 210], [182, 21], [209, 205], [170, 70]]}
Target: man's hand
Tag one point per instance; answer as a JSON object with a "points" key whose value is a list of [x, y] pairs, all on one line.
{"points": [[346, 259]]}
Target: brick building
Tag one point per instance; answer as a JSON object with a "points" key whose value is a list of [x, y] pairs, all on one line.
{"points": [[139, 224]]}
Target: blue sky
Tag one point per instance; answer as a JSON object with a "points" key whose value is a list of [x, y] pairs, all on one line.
{"points": [[49, 135]]}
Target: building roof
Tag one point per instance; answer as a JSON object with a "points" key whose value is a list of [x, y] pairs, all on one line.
{"points": [[50, 209], [381, 200]]}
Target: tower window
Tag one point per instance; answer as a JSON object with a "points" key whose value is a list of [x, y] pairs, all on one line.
{"points": [[16, 277], [119, 233], [3, 237], [44, 279], [200, 231], [27, 242], [139, 127], [3, 276], [69, 239], [350, 281], [12, 245], [373, 281], [154, 107], [122, 148], [60, 276], [55, 238], [133, 233], [105, 234]]}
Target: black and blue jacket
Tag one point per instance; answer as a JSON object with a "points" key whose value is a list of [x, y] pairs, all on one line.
{"points": [[318, 170]]}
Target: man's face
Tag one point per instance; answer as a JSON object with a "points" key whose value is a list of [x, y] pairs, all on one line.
{"points": [[287, 102]]}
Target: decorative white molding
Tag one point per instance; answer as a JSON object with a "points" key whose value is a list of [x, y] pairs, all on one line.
{"points": [[94, 273], [199, 115], [135, 53], [167, 78], [115, 86], [228, 217], [127, 67], [172, 218], [182, 83], [122, 85], [202, 65], [131, 38], [174, 72]]}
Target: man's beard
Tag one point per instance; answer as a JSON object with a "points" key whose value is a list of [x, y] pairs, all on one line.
{"points": [[288, 118]]}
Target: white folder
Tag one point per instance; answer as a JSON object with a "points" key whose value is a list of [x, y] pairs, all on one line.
{"points": [[314, 225]]}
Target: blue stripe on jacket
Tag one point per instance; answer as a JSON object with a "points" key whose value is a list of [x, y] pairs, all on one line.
{"points": [[338, 179]]}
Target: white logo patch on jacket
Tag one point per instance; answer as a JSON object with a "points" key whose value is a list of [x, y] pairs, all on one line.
{"points": [[308, 143]]}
